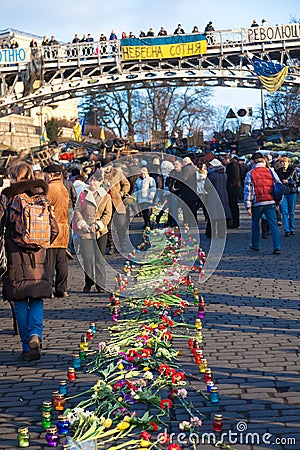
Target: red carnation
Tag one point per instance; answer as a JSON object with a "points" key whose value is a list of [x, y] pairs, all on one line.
{"points": [[173, 447], [145, 435], [154, 426], [178, 376], [166, 403]]}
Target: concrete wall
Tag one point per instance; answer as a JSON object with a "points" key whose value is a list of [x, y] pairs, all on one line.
{"points": [[21, 133]]}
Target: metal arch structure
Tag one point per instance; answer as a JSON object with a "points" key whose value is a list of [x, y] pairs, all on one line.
{"points": [[53, 74]]}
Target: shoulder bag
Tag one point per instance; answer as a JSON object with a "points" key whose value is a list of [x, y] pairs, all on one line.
{"points": [[3, 257], [277, 189]]}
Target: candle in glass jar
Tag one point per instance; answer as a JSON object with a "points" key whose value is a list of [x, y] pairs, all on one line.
{"points": [[71, 374], [23, 437]]}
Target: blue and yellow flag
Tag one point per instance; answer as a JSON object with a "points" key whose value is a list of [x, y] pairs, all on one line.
{"points": [[271, 74], [164, 47]]}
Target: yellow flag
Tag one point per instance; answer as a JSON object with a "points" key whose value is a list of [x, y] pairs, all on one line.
{"points": [[77, 131], [102, 134], [274, 82]]}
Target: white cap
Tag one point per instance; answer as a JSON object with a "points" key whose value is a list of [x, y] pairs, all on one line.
{"points": [[215, 162]]}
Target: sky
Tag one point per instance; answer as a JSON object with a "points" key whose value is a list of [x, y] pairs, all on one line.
{"points": [[65, 18]]}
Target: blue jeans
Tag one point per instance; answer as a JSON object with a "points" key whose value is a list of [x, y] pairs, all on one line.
{"points": [[29, 315], [270, 213], [287, 207]]}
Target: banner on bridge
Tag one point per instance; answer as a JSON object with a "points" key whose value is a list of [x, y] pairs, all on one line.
{"points": [[276, 33], [163, 47]]}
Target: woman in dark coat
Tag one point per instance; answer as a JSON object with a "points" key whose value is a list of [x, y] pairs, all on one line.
{"points": [[26, 281], [216, 223], [188, 191]]}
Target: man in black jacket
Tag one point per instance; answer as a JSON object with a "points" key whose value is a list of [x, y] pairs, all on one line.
{"points": [[188, 190], [233, 185]]}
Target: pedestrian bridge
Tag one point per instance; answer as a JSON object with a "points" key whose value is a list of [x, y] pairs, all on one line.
{"points": [[43, 75]]}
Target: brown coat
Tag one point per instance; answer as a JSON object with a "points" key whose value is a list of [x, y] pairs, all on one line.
{"points": [[27, 272], [58, 196], [96, 210], [117, 184]]}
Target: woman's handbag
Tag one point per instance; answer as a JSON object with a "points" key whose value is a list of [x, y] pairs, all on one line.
{"points": [[3, 257]]}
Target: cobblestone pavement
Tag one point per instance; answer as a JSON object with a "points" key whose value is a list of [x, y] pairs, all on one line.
{"points": [[251, 341]]}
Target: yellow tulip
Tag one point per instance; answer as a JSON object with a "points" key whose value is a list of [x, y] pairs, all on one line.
{"points": [[146, 369], [127, 419], [145, 443], [120, 366], [120, 399], [107, 423], [123, 426]]}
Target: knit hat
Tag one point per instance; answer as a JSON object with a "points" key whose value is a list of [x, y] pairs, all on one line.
{"points": [[53, 168], [256, 156]]}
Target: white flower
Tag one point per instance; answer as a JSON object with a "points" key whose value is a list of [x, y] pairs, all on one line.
{"points": [[182, 393], [148, 375], [184, 425]]}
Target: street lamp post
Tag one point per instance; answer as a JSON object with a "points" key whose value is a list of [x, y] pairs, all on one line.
{"points": [[40, 115], [263, 109]]}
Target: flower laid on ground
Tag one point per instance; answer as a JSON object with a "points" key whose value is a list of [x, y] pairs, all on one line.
{"points": [[140, 381]]}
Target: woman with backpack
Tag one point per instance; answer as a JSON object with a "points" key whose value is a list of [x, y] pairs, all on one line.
{"points": [[92, 215], [26, 281]]}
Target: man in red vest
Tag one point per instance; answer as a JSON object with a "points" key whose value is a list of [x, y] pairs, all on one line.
{"points": [[258, 200]]}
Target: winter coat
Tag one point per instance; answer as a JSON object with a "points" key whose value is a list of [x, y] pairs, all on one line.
{"points": [[72, 193], [258, 186], [291, 175], [58, 196], [218, 179], [173, 182], [188, 188], [145, 189], [93, 207], [27, 272], [233, 173], [118, 186]]}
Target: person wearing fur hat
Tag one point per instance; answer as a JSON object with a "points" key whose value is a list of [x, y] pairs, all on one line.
{"points": [[26, 281]]}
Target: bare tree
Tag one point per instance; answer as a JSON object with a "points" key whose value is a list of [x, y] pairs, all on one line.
{"points": [[138, 112], [283, 109]]}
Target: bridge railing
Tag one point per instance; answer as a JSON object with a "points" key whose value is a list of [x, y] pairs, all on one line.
{"points": [[219, 39]]}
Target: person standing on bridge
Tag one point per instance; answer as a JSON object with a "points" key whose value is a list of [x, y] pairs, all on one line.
{"points": [[150, 32], [179, 30], [208, 31], [113, 37], [162, 32]]}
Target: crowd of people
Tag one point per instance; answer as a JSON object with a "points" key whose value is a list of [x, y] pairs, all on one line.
{"points": [[88, 39], [94, 204]]}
